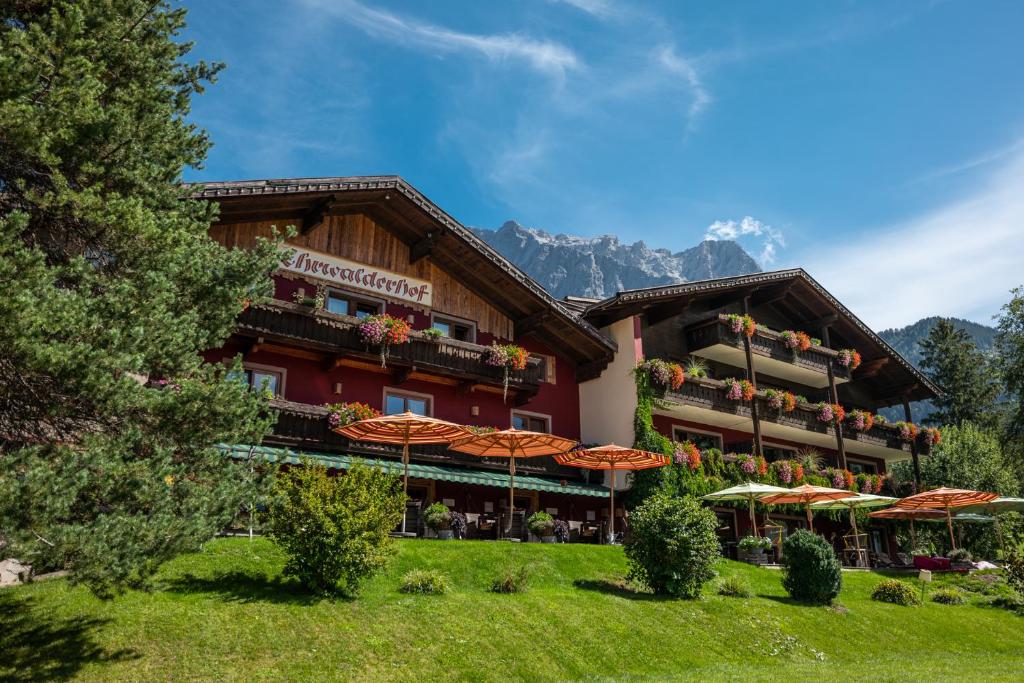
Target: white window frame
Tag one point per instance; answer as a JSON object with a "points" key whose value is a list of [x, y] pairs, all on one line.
{"points": [[434, 315], [705, 432], [528, 413], [354, 297], [283, 372], [395, 391]]}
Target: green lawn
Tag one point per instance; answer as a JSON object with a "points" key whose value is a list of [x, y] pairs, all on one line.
{"points": [[221, 615]]}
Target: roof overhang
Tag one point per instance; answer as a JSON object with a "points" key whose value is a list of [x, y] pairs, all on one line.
{"points": [[896, 378], [429, 232]]}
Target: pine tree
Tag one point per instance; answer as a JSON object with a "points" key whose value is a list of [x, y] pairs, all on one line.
{"points": [[1010, 343], [967, 377], [110, 282]]}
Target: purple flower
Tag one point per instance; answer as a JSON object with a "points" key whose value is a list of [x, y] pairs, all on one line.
{"points": [[838, 480], [748, 466], [785, 472], [735, 392], [825, 413]]}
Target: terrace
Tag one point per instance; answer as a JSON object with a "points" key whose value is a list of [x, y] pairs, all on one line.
{"points": [[335, 339]]}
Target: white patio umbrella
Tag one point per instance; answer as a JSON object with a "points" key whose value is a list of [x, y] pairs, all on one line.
{"points": [[748, 491]]}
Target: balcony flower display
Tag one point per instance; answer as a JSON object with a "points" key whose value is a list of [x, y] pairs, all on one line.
{"points": [[848, 358], [795, 341], [383, 331], [831, 413], [930, 436], [316, 302], [798, 472], [687, 453], [783, 401], [664, 374], [783, 471], [739, 389], [508, 357], [341, 414], [748, 464], [741, 324], [907, 430], [860, 420]]}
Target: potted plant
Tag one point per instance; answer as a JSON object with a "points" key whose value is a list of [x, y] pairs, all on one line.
{"points": [[753, 548], [439, 518], [664, 374], [561, 531], [508, 357], [383, 331], [542, 524], [432, 334], [738, 389], [316, 302], [848, 358], [341, 414], [741, 324]]}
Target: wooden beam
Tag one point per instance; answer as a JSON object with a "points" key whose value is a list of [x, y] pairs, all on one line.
{"points": [[834, 398], [400, 375], [752, 377], [913, 446], [465, 388], [770, 295], [532, 322], [316, 215], [657, 314], [424, 248], [251, 345], [870, 368]]}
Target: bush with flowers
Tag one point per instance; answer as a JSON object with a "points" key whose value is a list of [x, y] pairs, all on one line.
{"points": [[907, 431], [383, 331], [508, 357], [848, 358], [795, 341], [929, 437], [687, 453], [860, 420], [341, 414], [831, 413], [663, 373], [741, 324], [738, 389]]}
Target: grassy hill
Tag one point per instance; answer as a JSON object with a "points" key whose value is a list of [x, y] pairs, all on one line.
{"points": [[222, 615]]}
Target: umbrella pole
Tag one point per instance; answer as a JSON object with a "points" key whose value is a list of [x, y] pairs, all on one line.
{"points": [[810, 519], [999, 535], [856, 536], [753, 517], [913, 536], [611, 515], [405, 478], [511, 492], [949, 523]]}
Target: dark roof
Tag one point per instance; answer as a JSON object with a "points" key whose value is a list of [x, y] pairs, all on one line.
{"points": [[424, 226], [784, 285]]}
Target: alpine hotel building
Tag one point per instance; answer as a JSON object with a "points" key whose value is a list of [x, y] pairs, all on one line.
{"points": [[370, 245]]}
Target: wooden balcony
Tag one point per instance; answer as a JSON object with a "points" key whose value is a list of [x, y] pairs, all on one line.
{"points": [[715, 341], [704, 401], [301, 426], [336, 339]]}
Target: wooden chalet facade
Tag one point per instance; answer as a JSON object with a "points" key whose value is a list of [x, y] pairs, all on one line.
{"points": [[376, 245]]}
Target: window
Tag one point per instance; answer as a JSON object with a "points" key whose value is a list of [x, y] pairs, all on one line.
{"points": [[531, 422], [345, 303], [396, 402], [702, 440], [262, 377], [549, 367], [862, 467], [462, 330], [773, 453]]}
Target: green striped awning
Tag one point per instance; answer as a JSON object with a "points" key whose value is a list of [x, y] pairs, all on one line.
{"points": [[461, 475]]}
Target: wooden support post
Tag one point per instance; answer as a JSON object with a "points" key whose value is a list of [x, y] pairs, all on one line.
{"points": [[752, 378], [913, 446], [833, 396]]}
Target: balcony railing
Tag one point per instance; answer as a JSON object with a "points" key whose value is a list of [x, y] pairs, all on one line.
{"points": [[710, 394], [304, 427], [765, 343], [338, 335]]}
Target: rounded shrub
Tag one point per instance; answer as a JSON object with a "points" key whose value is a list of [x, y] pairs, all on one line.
{"points": [[512, 580], [541, 524], [437, 516], [424, 582], [811, 570], [673, 546], [897, 592], [948, 596]]}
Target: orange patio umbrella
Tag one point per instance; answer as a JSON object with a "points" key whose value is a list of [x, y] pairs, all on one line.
{"points": [[946, 498], [612, 457], [512, 444], [405, 428], [909, 515], [805, 495]]}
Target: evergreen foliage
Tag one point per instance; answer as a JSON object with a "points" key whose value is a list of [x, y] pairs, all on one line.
{"points": [[896, 592], [673, 546], [335, 530], [1010, 343], [967, 377], [109, 279], [811, 571]]}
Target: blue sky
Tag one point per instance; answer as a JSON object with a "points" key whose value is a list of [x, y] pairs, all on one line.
{"points": [[878, 145]]}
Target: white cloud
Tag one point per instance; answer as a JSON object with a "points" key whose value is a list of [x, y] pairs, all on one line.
{"points": [[684, 67], [553, 59], [602, 9], [771, 238], [960, 259]]}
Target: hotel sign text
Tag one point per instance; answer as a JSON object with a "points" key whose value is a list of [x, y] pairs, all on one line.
{"points": [[360, 276]]}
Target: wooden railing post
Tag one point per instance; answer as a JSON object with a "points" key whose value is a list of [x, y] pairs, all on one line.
{"points": [[834, 398], [913, 446], [752, 378]]}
